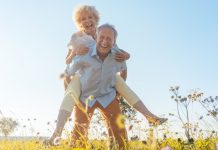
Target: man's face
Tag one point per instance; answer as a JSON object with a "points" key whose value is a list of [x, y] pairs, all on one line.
{"points": [[105, 40], [88, 23]]}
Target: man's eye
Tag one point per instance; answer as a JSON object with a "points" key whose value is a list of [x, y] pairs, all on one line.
{"points": [[109, 39]]}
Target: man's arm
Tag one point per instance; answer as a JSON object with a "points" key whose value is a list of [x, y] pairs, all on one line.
{"points": [[123, 74], [123, 70], [122, 56], [77, 65]]}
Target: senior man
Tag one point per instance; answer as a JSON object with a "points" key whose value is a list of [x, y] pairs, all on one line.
{"points": [[97, 71]]}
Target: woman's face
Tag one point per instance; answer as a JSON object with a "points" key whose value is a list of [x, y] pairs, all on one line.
{"points": [[88, 23]]}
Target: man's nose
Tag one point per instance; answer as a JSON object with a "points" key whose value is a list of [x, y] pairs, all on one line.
{"points": [[104, 41]]}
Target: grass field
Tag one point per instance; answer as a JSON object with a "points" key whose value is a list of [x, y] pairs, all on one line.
{"points": [[176, 144]]}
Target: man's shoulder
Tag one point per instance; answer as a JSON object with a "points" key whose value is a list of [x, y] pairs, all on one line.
{"points": [[116, 63]]}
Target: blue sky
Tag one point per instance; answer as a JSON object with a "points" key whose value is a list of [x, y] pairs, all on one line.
{"points": [[170, 42]]}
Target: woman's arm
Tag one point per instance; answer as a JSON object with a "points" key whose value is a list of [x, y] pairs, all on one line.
{"points": [[81, 50], [122, 56], [71, 53]]}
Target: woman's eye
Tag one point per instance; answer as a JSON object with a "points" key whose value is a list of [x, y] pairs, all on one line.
{"points": [[83, 18]]}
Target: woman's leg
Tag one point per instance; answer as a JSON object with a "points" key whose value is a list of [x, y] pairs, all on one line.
{"points": [[71, 97], [130, 96]]}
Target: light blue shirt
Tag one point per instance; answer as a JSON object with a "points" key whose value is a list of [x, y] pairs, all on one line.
{"points": [[97, 77]]}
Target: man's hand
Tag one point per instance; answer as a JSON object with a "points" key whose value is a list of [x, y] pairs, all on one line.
{"points": [[122, 56], [123, 74]]}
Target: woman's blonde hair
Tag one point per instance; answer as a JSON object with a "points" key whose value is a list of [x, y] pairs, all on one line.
{"points": [[84, 9]]}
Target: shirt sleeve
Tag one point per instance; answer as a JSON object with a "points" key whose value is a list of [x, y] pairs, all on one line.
{"points": [[76, 65], [73, 38], [115, 49], [79, 63], [123, 66]]}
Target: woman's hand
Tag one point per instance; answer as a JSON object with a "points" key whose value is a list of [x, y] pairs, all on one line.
{"points": [[70, 56], [82, 50], [122, 56]]}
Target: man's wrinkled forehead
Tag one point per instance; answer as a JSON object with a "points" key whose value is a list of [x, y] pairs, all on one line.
{"points": [[103, 30]]}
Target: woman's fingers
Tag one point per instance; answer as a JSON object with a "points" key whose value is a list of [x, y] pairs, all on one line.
{"points": [[82, 51], [120, 57]]}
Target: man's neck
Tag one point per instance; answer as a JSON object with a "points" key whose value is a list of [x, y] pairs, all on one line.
{"points": [[102, 56]]}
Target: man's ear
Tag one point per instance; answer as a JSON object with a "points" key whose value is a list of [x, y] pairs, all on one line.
{"points": [[114, 42]]}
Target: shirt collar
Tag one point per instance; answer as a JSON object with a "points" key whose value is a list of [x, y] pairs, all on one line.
{"points": [[94, 52]]}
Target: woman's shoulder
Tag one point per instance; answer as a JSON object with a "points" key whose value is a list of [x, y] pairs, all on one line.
{"points": [[77, 34]]}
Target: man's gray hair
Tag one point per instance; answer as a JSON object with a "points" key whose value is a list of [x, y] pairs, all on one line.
{"points": [[107, 25]]}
